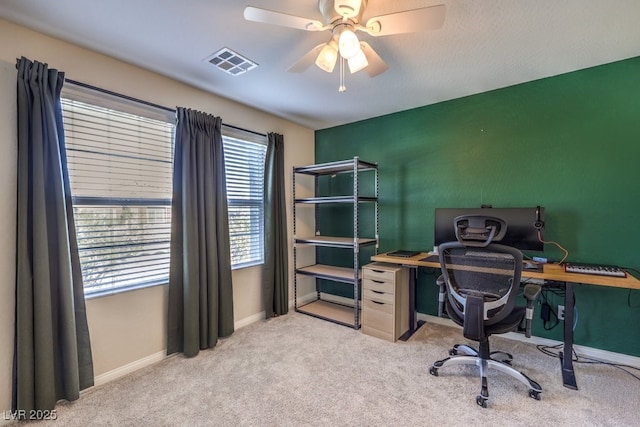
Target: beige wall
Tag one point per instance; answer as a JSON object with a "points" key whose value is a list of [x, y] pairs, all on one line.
{"points": [[8, 160], [128, 329]]}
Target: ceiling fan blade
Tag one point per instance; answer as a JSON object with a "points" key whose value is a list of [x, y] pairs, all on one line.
{"points": [[376, 64], [409, 21], [307, 60], [277, 18]]}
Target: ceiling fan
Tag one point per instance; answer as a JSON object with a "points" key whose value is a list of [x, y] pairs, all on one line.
{"points": [[344, 18]]}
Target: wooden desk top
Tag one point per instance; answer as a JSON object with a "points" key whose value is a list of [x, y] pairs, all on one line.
{"points": [[549, 272]]}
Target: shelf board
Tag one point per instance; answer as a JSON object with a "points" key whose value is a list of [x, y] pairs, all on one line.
{"points": [[330, 272], [336, 242], [326, 310], [335, 167], [336, 199]]}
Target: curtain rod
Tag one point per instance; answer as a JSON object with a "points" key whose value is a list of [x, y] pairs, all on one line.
{"points": [[244, 130], [119, 95], [150, 104]]}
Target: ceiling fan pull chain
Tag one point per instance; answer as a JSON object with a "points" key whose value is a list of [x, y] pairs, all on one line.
{"points": [[342, 87]]}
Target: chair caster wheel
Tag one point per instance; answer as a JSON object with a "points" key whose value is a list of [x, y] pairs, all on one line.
{"points": [[433, 371], [481, 401], [534, 394]]}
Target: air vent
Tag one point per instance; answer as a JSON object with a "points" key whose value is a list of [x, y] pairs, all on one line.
{"points": [[231, 62]]}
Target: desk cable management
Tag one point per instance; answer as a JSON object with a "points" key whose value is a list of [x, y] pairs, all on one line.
{"points": [[547, 311]]}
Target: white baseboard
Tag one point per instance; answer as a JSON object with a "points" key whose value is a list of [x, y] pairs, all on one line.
{"points": [[129, 368], [302, 300], [310, 297], [590, 352], [161, 355], [249, 320]]}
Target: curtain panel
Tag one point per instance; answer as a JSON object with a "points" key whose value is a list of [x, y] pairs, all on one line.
{"points": [[200, 287], [52, 353], [275, 279]]}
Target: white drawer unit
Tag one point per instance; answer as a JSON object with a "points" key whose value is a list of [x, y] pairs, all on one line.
{"points": [[385, 300]]}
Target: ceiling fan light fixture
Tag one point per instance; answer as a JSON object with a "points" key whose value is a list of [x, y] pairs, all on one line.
{"points": [[348, 44], [358, 62], [327, 58], [347, 8]]}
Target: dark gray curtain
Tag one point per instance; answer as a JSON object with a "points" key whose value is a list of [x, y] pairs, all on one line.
{"points": [[275, 283], [52, 354], [200, 288]]}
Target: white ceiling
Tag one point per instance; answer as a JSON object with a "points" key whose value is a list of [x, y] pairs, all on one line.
{"points": [[483, 45]]}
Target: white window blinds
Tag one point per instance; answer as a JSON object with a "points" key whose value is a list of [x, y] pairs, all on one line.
{"points": [[244, 159], [120, 168]]}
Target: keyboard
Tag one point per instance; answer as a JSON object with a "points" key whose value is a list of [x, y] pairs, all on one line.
{"points": [[598, 270]]}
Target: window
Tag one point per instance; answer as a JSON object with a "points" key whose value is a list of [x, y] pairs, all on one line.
{"points": [[120, 168], [244, 155], [120, 156]]}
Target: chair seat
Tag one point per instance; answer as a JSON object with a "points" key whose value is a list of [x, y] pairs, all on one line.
{"points": [[508, 324]]}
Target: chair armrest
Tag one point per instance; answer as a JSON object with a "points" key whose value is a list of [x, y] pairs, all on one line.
{"points": [[531, 293]]}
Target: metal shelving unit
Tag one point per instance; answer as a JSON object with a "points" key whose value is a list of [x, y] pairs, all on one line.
{"points": [[348, 315]]}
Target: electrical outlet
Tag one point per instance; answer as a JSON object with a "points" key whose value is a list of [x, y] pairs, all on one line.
{"points": [[560, 312]]}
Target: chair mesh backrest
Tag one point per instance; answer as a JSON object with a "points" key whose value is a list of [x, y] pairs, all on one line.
{"points": [[492, 272]]}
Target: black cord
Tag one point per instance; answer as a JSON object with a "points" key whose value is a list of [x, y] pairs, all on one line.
{"points": [[552, 312], [547, 350]]}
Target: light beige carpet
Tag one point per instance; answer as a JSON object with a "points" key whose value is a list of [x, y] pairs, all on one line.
{"points": [[296, 370]]}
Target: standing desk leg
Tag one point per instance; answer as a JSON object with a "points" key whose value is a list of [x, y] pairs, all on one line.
{"points": [[413, 318], [566, 356]]}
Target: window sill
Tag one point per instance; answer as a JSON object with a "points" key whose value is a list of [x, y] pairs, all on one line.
{"points": [[246, 265], [115, 291]]}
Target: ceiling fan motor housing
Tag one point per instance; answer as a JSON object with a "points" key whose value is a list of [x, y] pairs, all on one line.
{"points": [[337, 9]]}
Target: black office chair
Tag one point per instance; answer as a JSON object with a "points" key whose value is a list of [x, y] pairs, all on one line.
{"points": [[482, 279]]}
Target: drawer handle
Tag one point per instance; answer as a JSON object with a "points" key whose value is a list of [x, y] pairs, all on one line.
{"points": [[378, 271], [377, 292], [377, 302], [377, 281]]}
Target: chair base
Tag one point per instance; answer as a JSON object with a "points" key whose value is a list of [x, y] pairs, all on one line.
{"points": [[466, 350], [465, 355]]}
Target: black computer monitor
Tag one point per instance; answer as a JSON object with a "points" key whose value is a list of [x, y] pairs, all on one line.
{"points": [[523, 225]]}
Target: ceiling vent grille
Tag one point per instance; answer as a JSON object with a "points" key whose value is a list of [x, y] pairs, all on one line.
{"points": [[231, 62]]}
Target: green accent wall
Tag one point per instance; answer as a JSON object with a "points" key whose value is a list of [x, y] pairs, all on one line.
{"points": [[570, 143]]}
